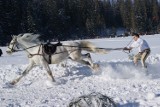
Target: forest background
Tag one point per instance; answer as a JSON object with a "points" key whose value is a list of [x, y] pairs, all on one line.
{"points": [[78, 19]]}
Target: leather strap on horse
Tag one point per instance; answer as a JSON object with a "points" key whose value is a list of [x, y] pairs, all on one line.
{"points": [[110, 49], [31, 55], [50, 49]]}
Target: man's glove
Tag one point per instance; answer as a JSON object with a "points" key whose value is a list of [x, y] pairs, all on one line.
{"points": [[125, 48]]}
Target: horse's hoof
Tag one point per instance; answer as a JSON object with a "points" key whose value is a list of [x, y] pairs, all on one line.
{"points": [[53, 80], [8, 85], [95, 67], [50, 84], [13, 82]]}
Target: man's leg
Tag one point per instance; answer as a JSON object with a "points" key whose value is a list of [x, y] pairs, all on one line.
{"points": [[136, 58], [143, 58]]}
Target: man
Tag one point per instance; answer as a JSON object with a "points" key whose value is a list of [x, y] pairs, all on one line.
{"points": [[143, 48]]}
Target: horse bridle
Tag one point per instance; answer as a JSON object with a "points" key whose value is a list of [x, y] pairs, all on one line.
{"points": [[13, 44]]}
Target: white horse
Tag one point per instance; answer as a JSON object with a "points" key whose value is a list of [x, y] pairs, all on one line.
{"points": [[37, 56]]}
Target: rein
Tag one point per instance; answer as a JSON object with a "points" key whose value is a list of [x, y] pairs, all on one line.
{"points": [[58, 52], [24, 48], [127, 52], [96, 48], [64, 51]]}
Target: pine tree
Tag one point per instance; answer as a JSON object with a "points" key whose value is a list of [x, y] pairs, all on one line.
{"points": [[155, 17], [140, 15], [108, 13], [9, 22]]}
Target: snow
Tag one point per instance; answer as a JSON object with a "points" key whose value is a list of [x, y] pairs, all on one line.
{"points": [[118, 78]]}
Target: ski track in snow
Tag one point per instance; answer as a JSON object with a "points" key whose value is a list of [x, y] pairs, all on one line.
{"points": [[117, 78]]}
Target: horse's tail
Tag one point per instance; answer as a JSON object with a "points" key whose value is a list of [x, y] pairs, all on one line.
{"points": [[88, 46]]}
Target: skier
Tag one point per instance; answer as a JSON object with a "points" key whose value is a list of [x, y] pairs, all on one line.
{"points": [[143, 48]]}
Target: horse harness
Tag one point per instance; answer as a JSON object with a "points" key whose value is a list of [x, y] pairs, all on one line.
{"points": [[47, 48], [50, 49]]}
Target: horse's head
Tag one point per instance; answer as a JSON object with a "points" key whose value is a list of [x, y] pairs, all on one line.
{"points": [[20, 39], [13, 45]]}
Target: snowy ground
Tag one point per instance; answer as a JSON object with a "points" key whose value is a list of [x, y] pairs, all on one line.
{"points": [[118, 78]]}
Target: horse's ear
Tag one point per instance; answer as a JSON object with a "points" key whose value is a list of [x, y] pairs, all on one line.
{"points": [[12, 36], [20, 35]]}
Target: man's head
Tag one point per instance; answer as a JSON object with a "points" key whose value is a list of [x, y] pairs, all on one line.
{"points": [[135, 36]]}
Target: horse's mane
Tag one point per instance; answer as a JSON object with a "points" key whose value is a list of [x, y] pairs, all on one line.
{"points": [[30, 37]]}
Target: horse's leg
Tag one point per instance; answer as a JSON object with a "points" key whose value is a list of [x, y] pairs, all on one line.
{"points": [[83, 62], [46, 66], [29, 67], [84, 59], [93, 67], [89, 59]]}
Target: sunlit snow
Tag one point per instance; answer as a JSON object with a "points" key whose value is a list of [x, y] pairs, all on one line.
{"points": [[118, 78]]}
